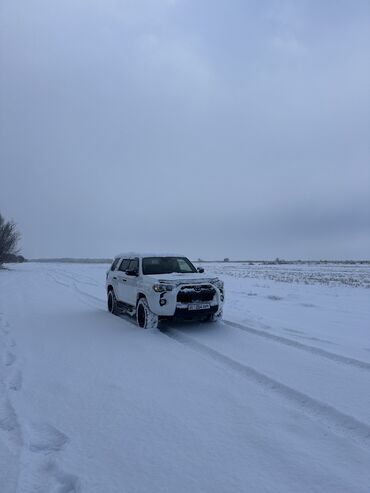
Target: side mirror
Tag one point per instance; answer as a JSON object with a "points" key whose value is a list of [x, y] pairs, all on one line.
{"points": [[133, 273], [200, 270]]}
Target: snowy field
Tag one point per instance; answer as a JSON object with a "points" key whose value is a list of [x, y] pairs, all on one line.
{"points": [[274, 399]]}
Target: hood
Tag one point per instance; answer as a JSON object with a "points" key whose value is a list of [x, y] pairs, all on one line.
{"points": [[176, 277]]}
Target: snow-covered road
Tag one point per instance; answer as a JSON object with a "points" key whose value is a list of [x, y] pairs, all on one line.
{"points": [[274, 399]]}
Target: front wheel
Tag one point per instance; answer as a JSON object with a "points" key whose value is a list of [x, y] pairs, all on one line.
{"points": [[214, 317], [145, 318]]}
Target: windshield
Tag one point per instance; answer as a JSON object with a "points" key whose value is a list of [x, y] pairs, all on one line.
{"points": [[167, 265]]}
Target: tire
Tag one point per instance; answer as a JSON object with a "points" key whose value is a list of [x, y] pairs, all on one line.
{"points": [[112, 302], [214, 317], [145, 318]]}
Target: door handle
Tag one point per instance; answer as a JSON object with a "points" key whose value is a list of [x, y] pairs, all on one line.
{"points": [[123, 280], [114, 277]]}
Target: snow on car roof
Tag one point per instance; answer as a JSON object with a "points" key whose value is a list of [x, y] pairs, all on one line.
{"points": [[146, 254]]}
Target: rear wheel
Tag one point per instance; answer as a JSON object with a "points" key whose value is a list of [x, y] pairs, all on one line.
{"points": [[112, 302], [145, 318]]}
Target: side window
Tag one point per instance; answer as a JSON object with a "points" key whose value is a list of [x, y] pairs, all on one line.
{"points": [[114, 264], [134, 265], [124, 265]]}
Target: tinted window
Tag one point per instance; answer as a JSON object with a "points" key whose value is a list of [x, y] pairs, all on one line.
{"points": [[134, 265], [114, 265], [167, 265], [124, 265]]}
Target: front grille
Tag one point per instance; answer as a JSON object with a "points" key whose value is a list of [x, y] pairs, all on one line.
{"points": [[190, 294]]}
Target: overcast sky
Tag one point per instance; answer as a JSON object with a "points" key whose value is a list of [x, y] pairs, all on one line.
{"points": [[214, 128]]}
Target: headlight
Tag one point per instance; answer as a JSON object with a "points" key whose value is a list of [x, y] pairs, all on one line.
{"points": [[161, 288], [218, 283]]}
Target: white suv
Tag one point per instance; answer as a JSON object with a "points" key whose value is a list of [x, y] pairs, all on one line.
{"points": [[154, 287]]}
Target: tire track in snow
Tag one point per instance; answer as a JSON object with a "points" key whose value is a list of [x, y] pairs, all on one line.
{"points": [[338, 358], [57, 281], [342, 423], [86, 298], [89, 281], [98, 302]]}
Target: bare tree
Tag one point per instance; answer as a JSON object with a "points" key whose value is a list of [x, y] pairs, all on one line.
{"points": [[9, 238]]}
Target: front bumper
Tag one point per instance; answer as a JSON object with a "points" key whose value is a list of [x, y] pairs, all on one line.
{"points": [[186, 314], [176, 303]]}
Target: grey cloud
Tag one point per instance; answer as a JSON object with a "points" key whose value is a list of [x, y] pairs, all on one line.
{"points": [[215, 128]]}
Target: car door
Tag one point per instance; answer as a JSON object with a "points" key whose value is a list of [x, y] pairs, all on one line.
{"points": [[132, 281], [121, 280]]}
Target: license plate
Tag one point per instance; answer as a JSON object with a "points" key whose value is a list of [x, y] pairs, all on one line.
{"points": [[199, 306]]}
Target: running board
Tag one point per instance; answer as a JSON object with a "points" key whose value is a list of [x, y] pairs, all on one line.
{"points": [[125, 308]]}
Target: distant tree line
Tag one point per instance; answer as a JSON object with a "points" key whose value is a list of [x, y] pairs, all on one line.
{"points": [[279, 261], [9, 239], [69, 260]]}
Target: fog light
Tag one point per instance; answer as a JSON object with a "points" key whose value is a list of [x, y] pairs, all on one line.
{"points": [[222, 297], [162, 301]]}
